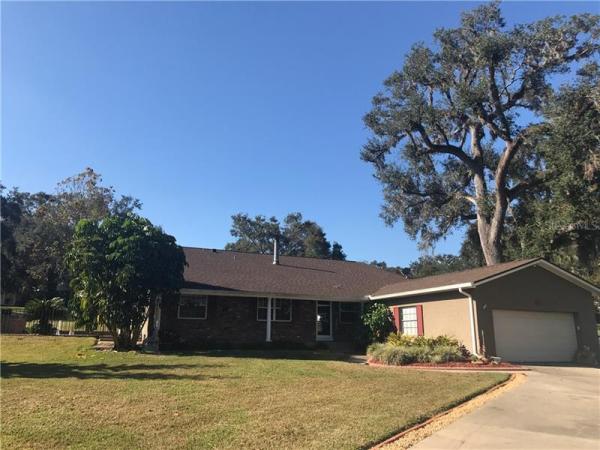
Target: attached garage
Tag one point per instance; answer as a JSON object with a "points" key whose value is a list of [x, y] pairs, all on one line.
{"points": [[522, 311], [530, 336]]}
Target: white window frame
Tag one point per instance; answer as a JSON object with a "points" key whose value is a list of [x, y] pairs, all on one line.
{"points": [[415, 320], [202, 298], [274, 309], [354, 311]]}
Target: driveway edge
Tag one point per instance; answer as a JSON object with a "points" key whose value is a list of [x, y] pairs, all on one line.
{"points": [[461, 409]]}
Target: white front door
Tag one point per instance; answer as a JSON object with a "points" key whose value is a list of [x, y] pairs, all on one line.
{"points": [[324, 322], [528, 336]]}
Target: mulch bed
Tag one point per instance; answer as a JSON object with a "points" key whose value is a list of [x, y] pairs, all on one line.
{"points": [[503, 366]]}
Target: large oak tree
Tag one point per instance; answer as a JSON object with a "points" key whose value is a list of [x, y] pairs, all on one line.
{"points": [[453, 130]]}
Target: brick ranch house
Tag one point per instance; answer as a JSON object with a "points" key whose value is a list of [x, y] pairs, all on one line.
{"points": [[528, 310]]}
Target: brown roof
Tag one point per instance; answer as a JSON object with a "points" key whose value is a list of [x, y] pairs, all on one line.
{"points": [[448, 279], [293, 276]]}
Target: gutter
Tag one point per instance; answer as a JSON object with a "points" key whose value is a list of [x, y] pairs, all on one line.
{"points": [[471, 320], [450, 287]]}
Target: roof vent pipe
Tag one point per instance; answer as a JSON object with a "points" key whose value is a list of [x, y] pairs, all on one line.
{"points": [[276, 251]]}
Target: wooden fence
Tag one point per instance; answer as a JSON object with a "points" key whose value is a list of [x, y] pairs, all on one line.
{"points": [[68, 327], [13, 321]]}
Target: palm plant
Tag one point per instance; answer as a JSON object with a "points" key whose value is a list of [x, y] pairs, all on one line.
{"points": [[44, 310]]}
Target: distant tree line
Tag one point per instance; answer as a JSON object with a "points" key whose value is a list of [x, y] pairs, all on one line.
{"points": [[37, 229], [84, 250], [296, 237]]}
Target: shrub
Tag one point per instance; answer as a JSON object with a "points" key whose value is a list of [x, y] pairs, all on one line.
{"points": [[44, 310], [400, 340], [446, 353], [375, 350], [379, 321], [38, 328], [401, 349], [444, 340], [397, 356]]}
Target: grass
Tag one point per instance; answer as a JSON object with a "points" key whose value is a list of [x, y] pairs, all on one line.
{"points": [[59, 392]]}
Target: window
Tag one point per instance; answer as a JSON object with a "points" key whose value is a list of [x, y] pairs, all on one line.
{"points": [[192, 307], [281, 309], [349, 312], [408, 316]]}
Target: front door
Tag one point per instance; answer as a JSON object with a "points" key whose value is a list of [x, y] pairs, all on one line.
{"points": [[324, 331]]}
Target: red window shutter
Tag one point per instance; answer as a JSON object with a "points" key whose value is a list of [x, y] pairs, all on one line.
{"points": [[396, 310], [420, 320]]}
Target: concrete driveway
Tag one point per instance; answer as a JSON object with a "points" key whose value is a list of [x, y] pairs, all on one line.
{"points": [[556, 408]]}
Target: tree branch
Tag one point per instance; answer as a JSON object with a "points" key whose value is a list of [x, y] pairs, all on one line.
{"points": [[524, 186], [446, 148], [498, 109]]}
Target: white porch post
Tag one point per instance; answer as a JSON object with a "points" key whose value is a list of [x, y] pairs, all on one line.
{"points": [[269, 306]]}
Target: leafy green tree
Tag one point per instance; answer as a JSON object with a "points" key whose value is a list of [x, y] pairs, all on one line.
{"points": [[428, 265], [254, 235], [301, 237], [451, 144], [470, 250], [44, 310], [120, 266], [561, 218], [12, 272], [337, 252], [404, 271], [379, 321], [37, 229], [297, 237]]}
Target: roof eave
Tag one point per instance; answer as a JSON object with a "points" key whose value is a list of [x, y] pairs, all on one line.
{"points": [[236, 293], [450, 287], [538, 262]]}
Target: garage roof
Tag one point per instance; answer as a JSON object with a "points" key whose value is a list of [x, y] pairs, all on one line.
{"points": [[472, 278]]}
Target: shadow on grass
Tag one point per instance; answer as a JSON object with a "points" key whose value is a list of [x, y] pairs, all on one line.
{"points": [[306, 355], [105, 371]]}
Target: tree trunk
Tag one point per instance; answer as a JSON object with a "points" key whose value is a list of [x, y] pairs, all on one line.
{"points": [[115, 335], [490, 231], [491, 250]]}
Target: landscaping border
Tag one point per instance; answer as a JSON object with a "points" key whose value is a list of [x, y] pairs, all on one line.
{"points": [[475, 368], [512, 378]]}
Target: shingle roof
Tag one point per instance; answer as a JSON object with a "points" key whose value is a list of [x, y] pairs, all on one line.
{"points": [[293, 276], [453, 278]]}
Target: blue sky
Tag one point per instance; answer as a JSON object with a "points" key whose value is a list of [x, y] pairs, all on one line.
{"points": [[203, 110]]}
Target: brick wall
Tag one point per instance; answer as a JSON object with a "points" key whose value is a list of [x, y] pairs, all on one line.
{"points": [[232, 321]]}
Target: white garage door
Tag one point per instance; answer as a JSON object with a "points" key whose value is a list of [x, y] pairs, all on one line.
{"points": [[534, 336]]}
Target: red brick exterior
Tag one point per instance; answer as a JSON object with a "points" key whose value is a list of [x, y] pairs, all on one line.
{"points": [[231, 322]]}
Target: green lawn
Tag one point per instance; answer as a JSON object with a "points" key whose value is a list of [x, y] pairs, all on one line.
{"points": [[58, 392]]}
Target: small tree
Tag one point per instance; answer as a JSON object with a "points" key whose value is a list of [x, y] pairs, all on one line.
{"points": [[120, 266], [44, 310], [379, 321]]}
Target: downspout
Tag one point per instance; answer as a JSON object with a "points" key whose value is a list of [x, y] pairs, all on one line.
{"points": [[471, 320]]}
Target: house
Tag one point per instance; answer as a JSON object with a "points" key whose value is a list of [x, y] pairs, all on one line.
{"points": [[527, 310]]}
